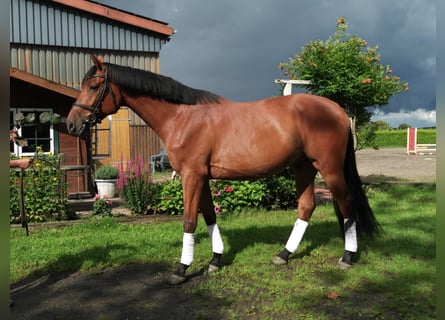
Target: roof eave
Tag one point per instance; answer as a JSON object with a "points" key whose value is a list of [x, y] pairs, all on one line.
{"points": [[44, 83], [114, 14]]}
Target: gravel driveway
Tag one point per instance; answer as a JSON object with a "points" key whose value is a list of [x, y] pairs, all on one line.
{"points": [[393, 165]]}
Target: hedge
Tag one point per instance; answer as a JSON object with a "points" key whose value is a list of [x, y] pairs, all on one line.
{"points": [[397, 138]]}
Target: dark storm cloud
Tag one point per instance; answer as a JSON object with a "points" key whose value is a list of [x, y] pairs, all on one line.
{"points": [[233, 47]]}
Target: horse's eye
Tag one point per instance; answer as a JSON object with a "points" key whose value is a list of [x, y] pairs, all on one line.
{"points": [[93, 87]]}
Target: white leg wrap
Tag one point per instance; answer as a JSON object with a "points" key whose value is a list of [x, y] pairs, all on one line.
{"points": [[296, 235], [188, 246], [215, 237], [351, 237]]}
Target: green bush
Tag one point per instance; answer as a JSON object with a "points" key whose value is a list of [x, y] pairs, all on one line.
{"points": [[280, 193], [106, 172], [45, 195], [170, 198], [366, 135], [101, 207]]}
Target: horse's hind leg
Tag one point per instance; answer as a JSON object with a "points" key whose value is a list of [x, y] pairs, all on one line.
{"points": [[304, 177], [343, 207], [208, 210]]}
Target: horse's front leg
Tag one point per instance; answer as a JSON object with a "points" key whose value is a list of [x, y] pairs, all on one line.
{"points": [[191, 189], [208, 210], [304, 178]]}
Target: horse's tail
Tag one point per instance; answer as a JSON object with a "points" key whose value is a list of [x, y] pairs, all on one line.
{"points": [[361, 211]]}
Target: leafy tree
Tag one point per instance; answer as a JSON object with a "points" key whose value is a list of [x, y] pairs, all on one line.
{"points": [[403, 126], [382, 125], [344, 69]]}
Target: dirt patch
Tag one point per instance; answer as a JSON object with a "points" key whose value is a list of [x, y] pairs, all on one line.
{"points": [[141, 291], [131, 292]]}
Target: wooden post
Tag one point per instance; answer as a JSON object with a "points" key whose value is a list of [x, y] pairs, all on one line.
{"points": [[411, 140]]}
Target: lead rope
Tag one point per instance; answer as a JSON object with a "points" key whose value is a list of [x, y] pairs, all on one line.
{"points": [[89, 151], [22, 205]]}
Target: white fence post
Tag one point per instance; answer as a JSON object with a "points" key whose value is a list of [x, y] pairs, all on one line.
{"points": [[289, 82]]}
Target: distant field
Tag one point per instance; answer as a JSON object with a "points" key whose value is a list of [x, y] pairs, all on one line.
{"points": [[397, 138]]}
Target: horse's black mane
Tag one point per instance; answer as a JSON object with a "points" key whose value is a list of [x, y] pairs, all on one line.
{"points": [[138, 82]]}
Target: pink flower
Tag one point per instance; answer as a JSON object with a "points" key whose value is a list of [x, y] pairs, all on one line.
{"points": [[217, 209], [216, 193], [137, 169], [122, 178]]}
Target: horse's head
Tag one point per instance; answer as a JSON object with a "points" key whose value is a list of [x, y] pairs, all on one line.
{"points": [[97, 99]]}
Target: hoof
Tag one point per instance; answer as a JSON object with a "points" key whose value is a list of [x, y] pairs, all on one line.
{"points": [[176, 279], [343, 265], [279, 261], [213, 268]]}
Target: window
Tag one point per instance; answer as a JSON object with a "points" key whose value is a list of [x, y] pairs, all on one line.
{"points": [[36, 133]]}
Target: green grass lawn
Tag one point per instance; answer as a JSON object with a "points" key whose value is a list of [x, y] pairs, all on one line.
{"points": [[394, 278]]}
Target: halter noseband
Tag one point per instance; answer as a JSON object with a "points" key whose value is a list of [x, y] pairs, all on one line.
{"points": [[94, 111]]}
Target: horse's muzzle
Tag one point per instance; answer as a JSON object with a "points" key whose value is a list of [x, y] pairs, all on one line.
{"points": [[76, 129], [71, 127]]}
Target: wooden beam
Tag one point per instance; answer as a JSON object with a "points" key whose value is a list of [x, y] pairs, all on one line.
{"points": [[289, 82], [44, 83], [117, 15], [294, 81]]}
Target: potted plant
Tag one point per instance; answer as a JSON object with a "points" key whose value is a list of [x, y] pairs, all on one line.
{"points": [[105, 178]]}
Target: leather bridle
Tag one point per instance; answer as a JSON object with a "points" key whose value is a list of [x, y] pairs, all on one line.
{"points": [[93, 117]]}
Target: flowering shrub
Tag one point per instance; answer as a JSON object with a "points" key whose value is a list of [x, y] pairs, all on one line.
{"points": [[136, 187], [45, 195], [227, 196], [345, 69], [277, 192], [101, 206], [231, 196], [170, 197]]}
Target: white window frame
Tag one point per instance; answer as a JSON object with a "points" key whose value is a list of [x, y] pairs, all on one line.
{"points": [[18, 151]]}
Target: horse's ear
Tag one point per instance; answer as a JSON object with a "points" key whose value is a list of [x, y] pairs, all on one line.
{"points": [[98, 62]]}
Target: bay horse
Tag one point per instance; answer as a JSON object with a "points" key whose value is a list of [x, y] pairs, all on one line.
{"points": [[210, 137]]}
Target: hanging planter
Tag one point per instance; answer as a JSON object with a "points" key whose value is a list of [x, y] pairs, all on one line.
{"points": [[55, 118], [19, 119], [30, 117], [45, 117]]}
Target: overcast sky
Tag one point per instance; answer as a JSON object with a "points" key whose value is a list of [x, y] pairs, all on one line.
{"points": [[233, 47]]}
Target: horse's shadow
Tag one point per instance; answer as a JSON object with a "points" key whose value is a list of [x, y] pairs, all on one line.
{"points": [[69, 263]]}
